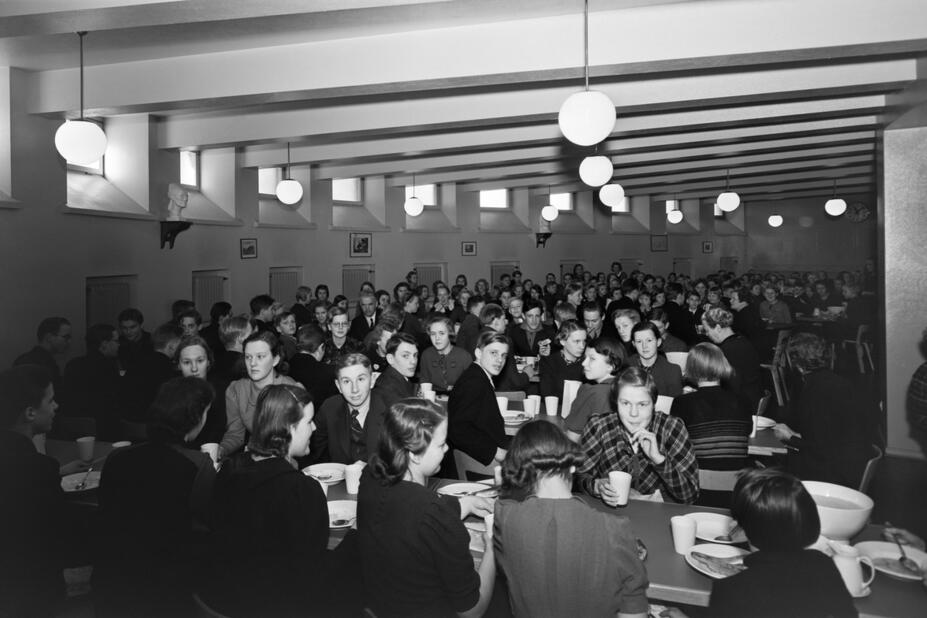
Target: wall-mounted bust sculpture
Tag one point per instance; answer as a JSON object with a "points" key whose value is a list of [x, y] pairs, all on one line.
{"points": [[178, 201]]}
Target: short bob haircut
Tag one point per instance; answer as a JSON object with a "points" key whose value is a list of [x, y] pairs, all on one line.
{"points": [[568, 328], [707, 363], [634, 376], [718, 316], [775, 510], [439, 318], [632, 314], [490, 337], [539, 449], [21, 387], [646, 326], [491, 312], [408, 428], [188, 342], [278, 407], [614, 352], [273, 342], [178, 407], [808, 352]]}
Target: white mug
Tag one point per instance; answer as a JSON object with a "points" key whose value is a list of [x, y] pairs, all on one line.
{"points": [[849, 563]]}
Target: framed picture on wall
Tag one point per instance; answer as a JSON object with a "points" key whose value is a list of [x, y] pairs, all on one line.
{"points": [[248, 248], [468, 248], [360, 244], [708, 246], [659, 243]]}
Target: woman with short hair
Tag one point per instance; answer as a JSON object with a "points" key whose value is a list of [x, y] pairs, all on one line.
{"points": [[562, 557], [647, 340], [414, 548], [443, 363], [566, 363], [604, 358]]}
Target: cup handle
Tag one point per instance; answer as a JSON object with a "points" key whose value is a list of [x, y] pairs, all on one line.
{"points": [[866, 560]]}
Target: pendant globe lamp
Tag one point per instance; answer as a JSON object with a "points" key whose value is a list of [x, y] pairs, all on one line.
{"points": [[673, 214], [612, 195], [728, 201], [596, 170], [288, 191], [80, 141], [587, 117], [835, 206], [775, 220], [413, 205], [549, 212]]}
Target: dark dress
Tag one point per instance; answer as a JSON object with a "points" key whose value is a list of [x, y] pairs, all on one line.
{"points": [[414, 551], [154, 498], [269, 555], [554, 370], [91, 389], [746, 381], [317, 377], [792, 584], [667, 376]]}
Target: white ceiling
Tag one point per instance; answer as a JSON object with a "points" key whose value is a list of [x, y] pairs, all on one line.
{"points": [[786, 94]]}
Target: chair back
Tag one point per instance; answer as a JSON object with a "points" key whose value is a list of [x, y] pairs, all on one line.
{"points": [[782, 342], [512, 395], [870, 469], [664, 404], [717, 480], [679, 359], [466, 464], [763, 403]]}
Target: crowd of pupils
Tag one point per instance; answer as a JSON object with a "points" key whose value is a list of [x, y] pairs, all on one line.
{"points": [[315, 383]]}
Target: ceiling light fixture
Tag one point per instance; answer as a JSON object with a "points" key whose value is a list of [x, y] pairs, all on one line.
{"points": [[596, 170], [775, 220], [728, 201], [612, 195], [413, 206], [80, 141], [673, 214], [587, 117], [288, 191], [549, 212], [835, 206]]}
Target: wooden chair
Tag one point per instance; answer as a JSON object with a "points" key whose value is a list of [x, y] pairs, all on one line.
{"points": [[763, 403], [512, 395], [776, 368], [678, 358], [466, 464], [870, 469], [863, 350]]}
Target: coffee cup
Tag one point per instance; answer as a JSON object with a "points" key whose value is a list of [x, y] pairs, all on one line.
{"points": [[85, 448], [683, 528], [849, 562], [211, 449], [426, 387], [531, 407], [621, 483], [352, 476], [550, 405], [503, 403]]}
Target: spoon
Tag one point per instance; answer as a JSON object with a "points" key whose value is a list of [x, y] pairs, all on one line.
{"points": [[83, 482], [906, 563], [729, 537]]}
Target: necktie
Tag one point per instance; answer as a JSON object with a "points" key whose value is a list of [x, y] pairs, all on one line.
{"points": [[358, 444]]}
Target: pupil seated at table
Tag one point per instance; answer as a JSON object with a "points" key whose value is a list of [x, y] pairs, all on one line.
{"points": [[647, 341], [650, 446], [565, 364], [414, 548], [154, 508], [443, 363], [269, 547], [561, 557], [782, 578], [194, 360], [604, 358], [395, 381]]}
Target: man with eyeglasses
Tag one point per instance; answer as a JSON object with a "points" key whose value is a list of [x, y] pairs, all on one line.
{"points": [[54, 338], [339, 342]]}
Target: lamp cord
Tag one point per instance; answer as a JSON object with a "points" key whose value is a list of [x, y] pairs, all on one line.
{"points": [[586, 42], [80, 37]]}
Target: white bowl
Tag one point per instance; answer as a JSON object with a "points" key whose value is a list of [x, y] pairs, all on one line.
{"points": [[843, 511]]}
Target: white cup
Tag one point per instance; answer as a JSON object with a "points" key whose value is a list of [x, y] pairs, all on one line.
{"points": [[211, 449], [683, 533], [849, 563], [531, 407], [39, 441], [550, 405], [497, 475], [621, 483], [121, 444], [352, 475], [503, 403], [426, 387], [430, 396], [537, 403], [85, 448]]}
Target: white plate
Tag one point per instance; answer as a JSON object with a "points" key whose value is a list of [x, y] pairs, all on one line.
{"points": [[718, 551], [881, 550], [763, 422], [709, 526], [328, 473], [515, 418], [458, 489], [344, 511], [70, 482]]}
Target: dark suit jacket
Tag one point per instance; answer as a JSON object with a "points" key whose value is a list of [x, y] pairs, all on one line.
{"points": [[474, 423], [392, 386], [318, 378], [519, 339], [359, 328], [332, 438]]}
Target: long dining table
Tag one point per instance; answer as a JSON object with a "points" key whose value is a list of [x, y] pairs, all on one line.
{"points": [[673, 581]]}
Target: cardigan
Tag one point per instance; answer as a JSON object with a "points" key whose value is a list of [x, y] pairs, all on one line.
{"points": [[240, 401]]}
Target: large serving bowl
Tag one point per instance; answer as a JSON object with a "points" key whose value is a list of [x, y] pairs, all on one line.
{"points": [[843, 511]]}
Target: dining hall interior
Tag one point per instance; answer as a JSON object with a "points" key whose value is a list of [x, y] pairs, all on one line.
{"points": [[367, 103]]}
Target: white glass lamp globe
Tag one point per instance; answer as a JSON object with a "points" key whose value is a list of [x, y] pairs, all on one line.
{"points": [[835, 207], [595, 171], [289, 191], [775, 220], [549, 213], [612, 195], [728, 201], [674, 216], [587, 117], [414, 206], [80, 141]]}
